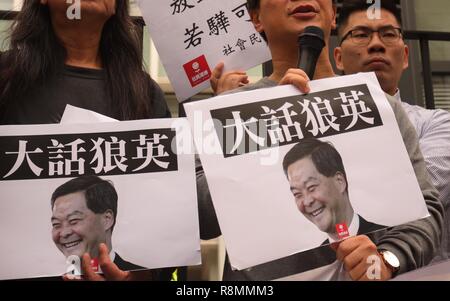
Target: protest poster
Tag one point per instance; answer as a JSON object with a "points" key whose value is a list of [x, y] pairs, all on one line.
{"points": [[193, 36], [272, 197], [148, 224]]}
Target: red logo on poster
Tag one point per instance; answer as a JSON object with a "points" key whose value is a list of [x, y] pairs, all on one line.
{"points": [[197, 70], [94, 264], [342, 231]]}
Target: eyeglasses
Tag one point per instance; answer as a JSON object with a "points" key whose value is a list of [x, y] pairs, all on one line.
{"points": [[362, 36]]}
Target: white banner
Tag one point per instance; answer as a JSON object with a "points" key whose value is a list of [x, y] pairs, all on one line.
{"points": [[193, 36]]}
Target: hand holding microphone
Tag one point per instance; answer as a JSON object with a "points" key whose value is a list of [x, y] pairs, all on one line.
{"points": [[310, 43]]}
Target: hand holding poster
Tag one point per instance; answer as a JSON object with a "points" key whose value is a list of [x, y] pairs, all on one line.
{"points": [[272, 193], [67, 188], [193, 36]]}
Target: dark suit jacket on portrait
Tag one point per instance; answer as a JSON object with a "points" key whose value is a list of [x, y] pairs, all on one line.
{"points": [[311, 259], [121, 264], [125, 265], [366, 227], [162, 274]]}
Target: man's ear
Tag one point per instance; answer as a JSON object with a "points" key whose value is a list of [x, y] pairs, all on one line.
{"points": [[340, 181], [108, 219], [338, 58], [333, 22], [254, 16], [406, 57]]}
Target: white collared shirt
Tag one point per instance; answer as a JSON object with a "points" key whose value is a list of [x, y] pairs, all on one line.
{"points": [[397, 95], [433, 130]]}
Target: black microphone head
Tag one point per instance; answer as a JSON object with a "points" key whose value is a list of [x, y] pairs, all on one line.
{"points": [[312, 37], [310, 45]]}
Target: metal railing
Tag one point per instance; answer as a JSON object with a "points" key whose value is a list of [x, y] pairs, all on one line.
{"points": [[424, 38]]}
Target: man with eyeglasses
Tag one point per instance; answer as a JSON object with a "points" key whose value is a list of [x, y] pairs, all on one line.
{"points": [[372, 44], [377, 45]]}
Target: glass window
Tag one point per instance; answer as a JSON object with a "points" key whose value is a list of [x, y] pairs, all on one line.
{"points": [[6, 4], [433, 16], [154, 65], [4, 25], [441, 87]]}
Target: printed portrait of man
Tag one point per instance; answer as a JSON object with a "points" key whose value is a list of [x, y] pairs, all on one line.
{"points": [[318, 181], [84, 212]]}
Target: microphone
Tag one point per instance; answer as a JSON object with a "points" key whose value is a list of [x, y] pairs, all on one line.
{"points": [[310, 45]]}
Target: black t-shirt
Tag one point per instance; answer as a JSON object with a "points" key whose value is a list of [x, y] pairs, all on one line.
{"points": [[80, 87]]}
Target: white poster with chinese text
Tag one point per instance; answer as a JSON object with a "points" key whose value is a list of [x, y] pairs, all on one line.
{"points": [[289, 172], [193, 36], [67, 188]]}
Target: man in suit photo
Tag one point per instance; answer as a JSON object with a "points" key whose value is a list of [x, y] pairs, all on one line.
{"points": [[84, 212], [318, 181]]}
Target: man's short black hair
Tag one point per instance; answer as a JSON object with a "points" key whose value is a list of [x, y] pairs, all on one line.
{"points": [[324, 156], [252, 4], [351, 6], [100, 194]]}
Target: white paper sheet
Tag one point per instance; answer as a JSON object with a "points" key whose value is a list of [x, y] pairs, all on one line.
{"points": [[251, 194], [184, 34], [157, 221]]}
